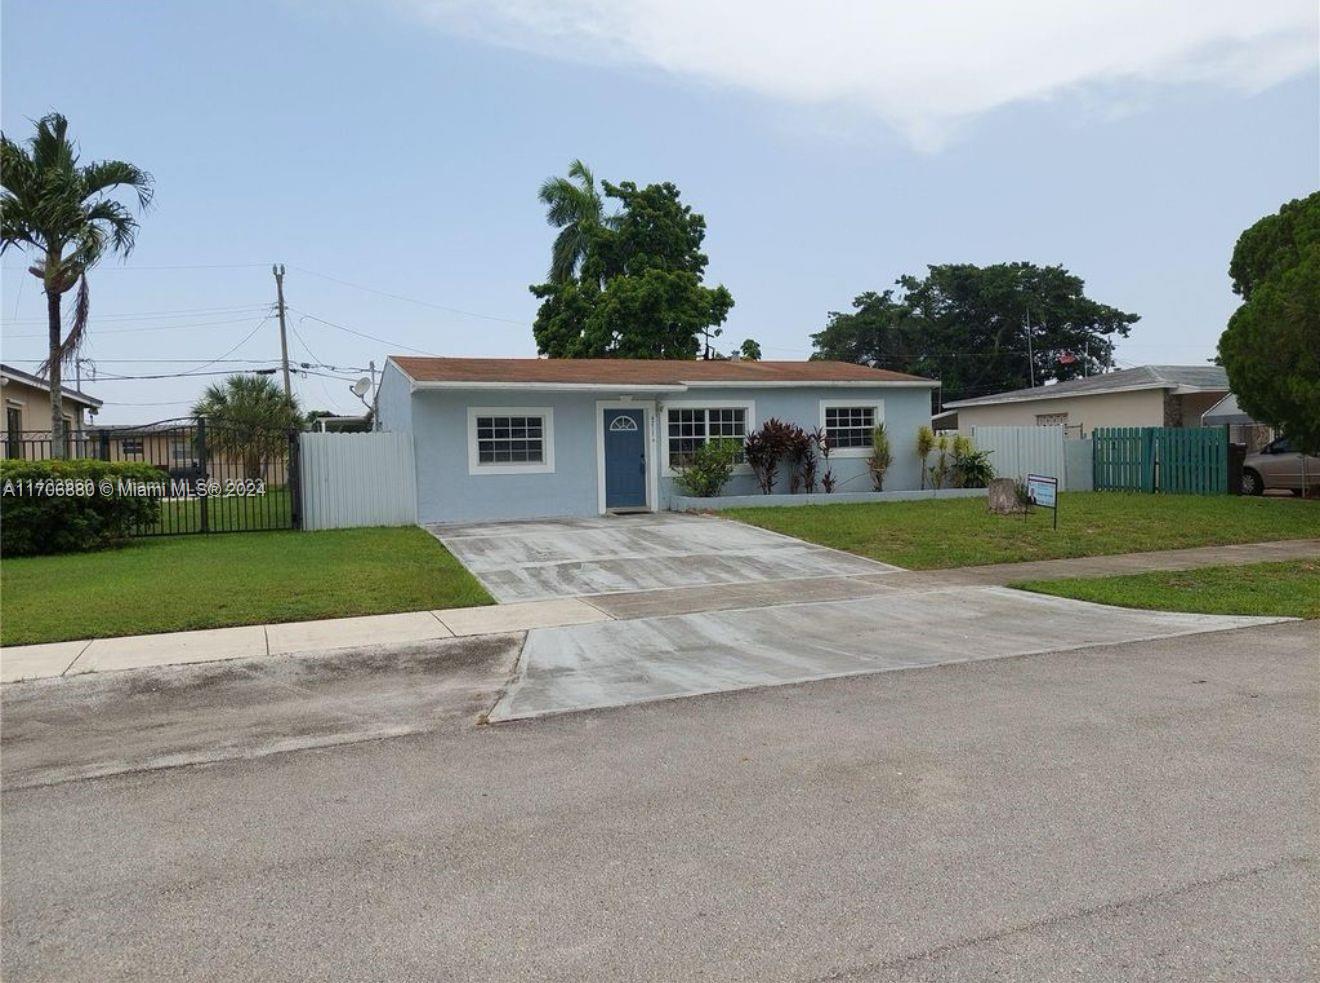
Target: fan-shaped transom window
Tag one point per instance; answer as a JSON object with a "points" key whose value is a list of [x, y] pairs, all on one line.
{"points": [[622, 423]]}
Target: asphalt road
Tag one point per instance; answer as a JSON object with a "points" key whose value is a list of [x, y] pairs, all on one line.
{"points": [[1139, 811]]}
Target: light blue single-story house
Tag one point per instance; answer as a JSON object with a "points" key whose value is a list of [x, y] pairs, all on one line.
{"points": [[518, 438]]}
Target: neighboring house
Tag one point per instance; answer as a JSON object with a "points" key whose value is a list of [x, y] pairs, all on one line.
{"points": [[27, 413], [174, 447], [1147, 396], [524, 438], [1242, 429]]}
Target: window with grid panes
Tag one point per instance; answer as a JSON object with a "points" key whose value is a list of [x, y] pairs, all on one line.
{"points": [[849, 426], [690, 428], [510, 440]]}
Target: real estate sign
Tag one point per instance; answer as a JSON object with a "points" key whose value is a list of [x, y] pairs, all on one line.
{"points": [[1043, 490]]}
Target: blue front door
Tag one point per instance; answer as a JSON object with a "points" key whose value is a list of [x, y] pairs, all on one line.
{"points": [[625, 459]]}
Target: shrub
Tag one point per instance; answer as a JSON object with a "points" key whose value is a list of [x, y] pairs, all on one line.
{"points": [[710, 468], [925, 444], [58, 506], [827, 480], [766, 447], [971, 468], [939, 471], [802, 460], [881, 456]]}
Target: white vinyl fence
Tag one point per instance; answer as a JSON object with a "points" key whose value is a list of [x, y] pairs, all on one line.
{"points": [[357, 479], [1016, 452]]}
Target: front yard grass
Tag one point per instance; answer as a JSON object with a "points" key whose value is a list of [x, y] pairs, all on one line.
{"points": [[1290, 588], [186, 582], [937, 533]]}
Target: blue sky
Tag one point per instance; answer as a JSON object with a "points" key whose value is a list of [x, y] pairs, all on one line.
{"points": [[399, 147]]}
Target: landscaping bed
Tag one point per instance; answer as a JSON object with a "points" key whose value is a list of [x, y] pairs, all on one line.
{"points": [[928, 535], [187, 582], [722, 503], [1286, 589]]}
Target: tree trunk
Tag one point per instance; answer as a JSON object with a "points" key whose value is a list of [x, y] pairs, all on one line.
{"points": [[57, 448]]}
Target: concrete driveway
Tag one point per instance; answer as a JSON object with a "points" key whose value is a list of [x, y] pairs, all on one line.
{"points": [[525, 561], [635, 661]]}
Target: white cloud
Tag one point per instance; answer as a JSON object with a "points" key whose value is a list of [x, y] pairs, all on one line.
{"points": [[921, 66]]}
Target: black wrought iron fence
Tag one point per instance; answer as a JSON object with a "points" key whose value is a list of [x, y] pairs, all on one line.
{"points": [[214, 477]]}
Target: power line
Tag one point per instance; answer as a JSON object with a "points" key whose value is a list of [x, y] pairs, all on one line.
{"points": [[362, 334], [412, 300], [190, 326], [155, 315], [162, 361], [193, 266]]}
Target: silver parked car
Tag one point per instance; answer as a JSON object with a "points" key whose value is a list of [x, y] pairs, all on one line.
{"points": [[1277, 465]]}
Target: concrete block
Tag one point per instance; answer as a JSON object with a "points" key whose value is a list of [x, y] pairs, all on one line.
{"points": [[38, 661], [177, 648], [338, 633]]}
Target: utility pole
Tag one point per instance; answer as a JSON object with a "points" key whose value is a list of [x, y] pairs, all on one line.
{"points": [[375, 415], [1031, 361], [278, 270]]}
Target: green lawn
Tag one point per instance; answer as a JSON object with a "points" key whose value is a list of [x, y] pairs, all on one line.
{"points": [[931, 534], [183, 582], [1290, 588]]}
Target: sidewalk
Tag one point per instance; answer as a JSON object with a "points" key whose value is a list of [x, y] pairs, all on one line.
{"points": [[22, 662]]}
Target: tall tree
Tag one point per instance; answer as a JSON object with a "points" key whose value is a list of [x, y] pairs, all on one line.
{"points": [[1271, 347], [68, 216], [638, 291], [575, 207], [979, 330], [251, 418]]}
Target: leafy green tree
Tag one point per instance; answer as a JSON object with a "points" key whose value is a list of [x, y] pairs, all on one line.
{"points": [[750, 350], [66, 214], [575, 207], [638, 290], [249, 418], [1271, 348], [979, 330]]}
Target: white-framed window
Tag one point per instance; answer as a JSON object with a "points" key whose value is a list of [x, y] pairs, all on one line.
{"points": [[510, 440], [849, 423], [1051, 419], [690, 423]]}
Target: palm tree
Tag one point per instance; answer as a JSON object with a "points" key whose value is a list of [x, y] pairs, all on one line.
{"points": [[250, 419], [67, 215], [575, 207]]}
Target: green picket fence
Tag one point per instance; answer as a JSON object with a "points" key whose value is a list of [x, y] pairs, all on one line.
{"points": [[1191, 461]]}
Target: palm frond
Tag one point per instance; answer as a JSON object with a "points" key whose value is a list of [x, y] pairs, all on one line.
{"points": [[108, 175]]}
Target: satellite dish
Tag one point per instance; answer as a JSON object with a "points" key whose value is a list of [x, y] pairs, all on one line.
{"points": [[362, 387]]}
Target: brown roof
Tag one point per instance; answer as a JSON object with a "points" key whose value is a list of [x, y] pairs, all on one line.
{"points": [[638, 371]]}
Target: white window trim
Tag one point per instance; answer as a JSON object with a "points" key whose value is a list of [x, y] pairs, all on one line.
{"points": [[701, 404], [475, 467], [877, 405], [648, 409]]}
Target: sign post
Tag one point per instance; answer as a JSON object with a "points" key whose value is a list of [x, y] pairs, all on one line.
{"points": [[1044, 492]]}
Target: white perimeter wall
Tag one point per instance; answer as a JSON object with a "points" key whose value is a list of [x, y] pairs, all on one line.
{"points": [[357, 479]]}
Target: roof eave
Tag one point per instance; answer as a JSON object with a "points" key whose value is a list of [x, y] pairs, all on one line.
{"points": [[1046, 394]]}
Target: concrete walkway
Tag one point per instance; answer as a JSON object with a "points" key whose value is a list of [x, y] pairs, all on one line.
{"points": [[22, 662]]}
